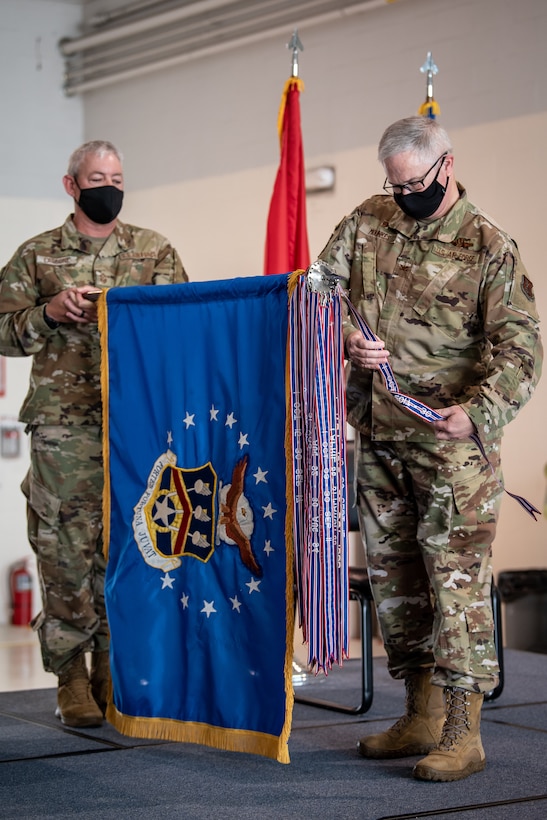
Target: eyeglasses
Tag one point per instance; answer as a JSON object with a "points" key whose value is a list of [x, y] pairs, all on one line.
{"points": [[417, 184]]}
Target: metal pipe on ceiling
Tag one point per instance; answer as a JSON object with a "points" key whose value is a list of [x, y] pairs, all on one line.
{"points": [[74, 85], [197, 33], [73, 46]]}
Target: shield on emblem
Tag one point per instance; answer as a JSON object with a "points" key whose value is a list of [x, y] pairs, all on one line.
{"points": [[180, 513]]}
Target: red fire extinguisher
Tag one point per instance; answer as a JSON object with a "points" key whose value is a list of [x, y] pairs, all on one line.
{"points": [[21, 594]]}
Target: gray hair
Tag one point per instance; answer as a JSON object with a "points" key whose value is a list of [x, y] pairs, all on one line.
{"points": [[421, 135], [97, 147]]}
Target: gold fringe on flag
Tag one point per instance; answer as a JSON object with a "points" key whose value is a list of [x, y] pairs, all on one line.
{"points": [[292, 82], [230, 740], [103, 331]]}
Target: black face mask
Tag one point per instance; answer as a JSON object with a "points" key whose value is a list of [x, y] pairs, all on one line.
{"points": [[421, 204], [102, 205]]}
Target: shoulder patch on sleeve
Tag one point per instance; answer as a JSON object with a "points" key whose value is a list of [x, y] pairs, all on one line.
{"points": [[527, 288]]}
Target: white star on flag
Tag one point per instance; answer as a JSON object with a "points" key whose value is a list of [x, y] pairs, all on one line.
{"points": [[184, 600], [253, 585], [230, 420], [269, 511], [260, 475], [236, 604], [208, 608], [189, 420], [242, 441], [167, 581]]}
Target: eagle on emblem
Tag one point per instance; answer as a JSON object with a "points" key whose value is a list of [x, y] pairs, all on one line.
{"points": [[237, 517]]}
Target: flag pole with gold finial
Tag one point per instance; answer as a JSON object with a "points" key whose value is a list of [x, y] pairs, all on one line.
{"points": [[430, 107]]}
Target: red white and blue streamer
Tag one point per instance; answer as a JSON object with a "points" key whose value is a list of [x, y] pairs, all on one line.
{"points": [[318, 419]]}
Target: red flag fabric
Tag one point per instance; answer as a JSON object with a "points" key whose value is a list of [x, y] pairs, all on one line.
{"points": [[287, 246]]}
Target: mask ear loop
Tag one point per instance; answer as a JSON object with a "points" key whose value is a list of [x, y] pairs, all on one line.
{"points": [[444, 187], [75, 178]]}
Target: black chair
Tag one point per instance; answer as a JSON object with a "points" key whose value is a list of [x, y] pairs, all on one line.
{"points": [[360, 591], [498, 640]]}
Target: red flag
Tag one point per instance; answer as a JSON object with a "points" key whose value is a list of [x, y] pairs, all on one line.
{"points": [[287, 246]]}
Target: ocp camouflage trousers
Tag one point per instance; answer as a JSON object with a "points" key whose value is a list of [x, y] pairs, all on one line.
{"points": [[428, 514], [64, 488]]}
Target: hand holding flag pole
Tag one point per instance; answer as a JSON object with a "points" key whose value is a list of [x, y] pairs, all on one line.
{"points": [[430, 107]]}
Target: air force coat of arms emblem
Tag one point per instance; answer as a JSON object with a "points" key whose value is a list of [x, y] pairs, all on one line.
{"points": [[177, 516]]}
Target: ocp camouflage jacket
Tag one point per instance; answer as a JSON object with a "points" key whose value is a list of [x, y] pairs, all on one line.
{"points": [[65, 376], [452, 302]]}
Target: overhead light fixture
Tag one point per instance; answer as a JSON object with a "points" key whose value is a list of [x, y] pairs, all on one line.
{"points": [[320, 179]]}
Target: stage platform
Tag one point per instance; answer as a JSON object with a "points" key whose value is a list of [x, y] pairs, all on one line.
{"points": [[50, 772]]}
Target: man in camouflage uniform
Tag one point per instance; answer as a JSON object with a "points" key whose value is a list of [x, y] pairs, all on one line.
{"points": [[44, 313], [447, 297]]}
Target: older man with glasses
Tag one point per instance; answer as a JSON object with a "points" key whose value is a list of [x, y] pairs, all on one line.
{"points": [[451, 310]]}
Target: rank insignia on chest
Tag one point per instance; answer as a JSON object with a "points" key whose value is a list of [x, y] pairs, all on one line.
{"points": [[462, 242]]}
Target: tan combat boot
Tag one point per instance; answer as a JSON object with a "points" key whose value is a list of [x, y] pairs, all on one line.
{"points": [[460, 751], [75, 704], [100, 678], [419, 730]]}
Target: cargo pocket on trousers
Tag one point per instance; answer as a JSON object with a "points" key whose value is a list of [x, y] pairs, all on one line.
{"points": [[43, 518], [479, 619], [480, 634], [476, 499]]}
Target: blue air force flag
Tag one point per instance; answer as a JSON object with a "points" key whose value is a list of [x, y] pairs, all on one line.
{"points": [[199, 575]]}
